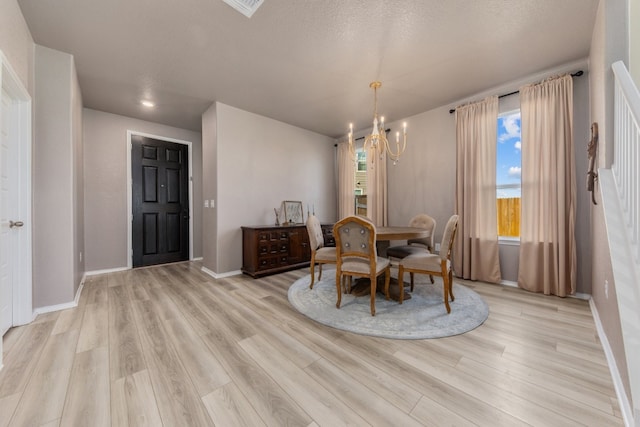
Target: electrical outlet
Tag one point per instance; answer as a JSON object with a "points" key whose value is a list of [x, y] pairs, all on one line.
{"points": [[437, 247], [206, 203], [606, 289]]}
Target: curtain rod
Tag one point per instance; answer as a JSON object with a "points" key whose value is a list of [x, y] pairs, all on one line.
{"points": [[576, 74], [362, 137]]}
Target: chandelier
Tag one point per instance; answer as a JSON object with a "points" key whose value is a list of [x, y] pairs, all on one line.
{"points": [[377, 141]]}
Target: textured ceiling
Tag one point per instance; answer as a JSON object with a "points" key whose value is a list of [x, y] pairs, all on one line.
{"points": [[307, 63]]}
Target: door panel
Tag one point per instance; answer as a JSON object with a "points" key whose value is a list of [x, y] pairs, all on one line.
{"points": [[8, 212], [173, 232], [160, 201], [173, 185], [150, 184]]}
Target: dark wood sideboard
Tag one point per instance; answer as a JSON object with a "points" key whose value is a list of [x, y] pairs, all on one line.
{"points": [[274, 249]]}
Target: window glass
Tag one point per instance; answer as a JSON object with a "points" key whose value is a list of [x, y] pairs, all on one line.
{"points": [[361, 183], [509, 166]]}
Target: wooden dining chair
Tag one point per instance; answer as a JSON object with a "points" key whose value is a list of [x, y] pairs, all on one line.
{"points": [[357, 256], [433, 264], [319, 253], [415, 246]]}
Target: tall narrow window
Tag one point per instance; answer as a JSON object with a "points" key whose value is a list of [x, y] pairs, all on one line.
{"points": [[508, 183], [361, 183]]}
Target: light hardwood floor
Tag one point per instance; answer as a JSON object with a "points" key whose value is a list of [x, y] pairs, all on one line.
{"points": [[171, 346]]}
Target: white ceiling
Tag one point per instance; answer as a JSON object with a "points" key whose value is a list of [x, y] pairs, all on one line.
{"points": [[307, 63]]}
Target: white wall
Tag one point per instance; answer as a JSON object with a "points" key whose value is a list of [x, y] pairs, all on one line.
{"points": [[608, 45], [105, 179], [77, 149], [53, 219], [424, 180], [260, 163], [210, 188], [634, 41], [16, 42]]}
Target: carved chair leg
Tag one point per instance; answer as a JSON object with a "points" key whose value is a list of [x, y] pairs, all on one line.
{"points": [[411, 274], [387, 281], [453, 298], [445, 291], [313, 276], [401, 283], [319, 271], [431, 277], [346, 284], [338, 287], [373, 294]]}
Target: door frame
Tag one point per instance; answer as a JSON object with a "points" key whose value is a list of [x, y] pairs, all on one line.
{"points": [[130, 133], [21, 124]]}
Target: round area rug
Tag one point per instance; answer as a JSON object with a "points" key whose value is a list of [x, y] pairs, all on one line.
{"points": [[422, 316]]}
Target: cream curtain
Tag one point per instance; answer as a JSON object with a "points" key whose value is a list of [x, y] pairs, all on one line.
{"points": [[377, 187], [547, 226], [476, 247], [346, 181]]}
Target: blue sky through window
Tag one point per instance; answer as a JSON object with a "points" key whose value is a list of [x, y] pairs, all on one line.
{"points": [[509, 158]]}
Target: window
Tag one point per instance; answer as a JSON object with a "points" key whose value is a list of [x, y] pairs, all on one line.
{"points": [[362, 160], [509, 165], [361, 183]]}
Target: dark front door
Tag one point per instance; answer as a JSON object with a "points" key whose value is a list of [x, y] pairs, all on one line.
{"points": [[160, 187]]}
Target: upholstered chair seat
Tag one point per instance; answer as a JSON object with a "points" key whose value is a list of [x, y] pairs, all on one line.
{"points": [[424, 261], [326, 254], [402, 251]]}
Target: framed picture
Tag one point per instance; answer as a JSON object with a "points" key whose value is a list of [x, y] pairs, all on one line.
{"points": [[292, 212]]}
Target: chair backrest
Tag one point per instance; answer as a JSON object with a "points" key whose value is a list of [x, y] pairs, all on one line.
{"points": [[448, 237], [355, 237], [316, 240], [423, 221]]}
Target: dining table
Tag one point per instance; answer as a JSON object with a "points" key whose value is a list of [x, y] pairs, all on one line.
{"points": [[383, 237]]}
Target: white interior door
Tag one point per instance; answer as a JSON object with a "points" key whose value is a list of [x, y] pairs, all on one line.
{"points": [[9, 223]]}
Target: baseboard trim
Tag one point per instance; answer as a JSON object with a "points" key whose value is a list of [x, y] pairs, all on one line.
{"points": [[108, 270], [623, 401], [577, 295], [580, 295], [197, 259], [509, 283], [63, 306], [220, 275]]}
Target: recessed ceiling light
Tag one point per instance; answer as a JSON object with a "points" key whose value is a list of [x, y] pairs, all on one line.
{"points": [[246, 7], [148, 103]]}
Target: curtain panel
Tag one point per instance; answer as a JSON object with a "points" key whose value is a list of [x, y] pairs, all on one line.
{"points": [[346, 181], [547, 228], [377, 196], [476, 255]]}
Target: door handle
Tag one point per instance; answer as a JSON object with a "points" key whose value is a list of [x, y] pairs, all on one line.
{"points": [[13, 224]]}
